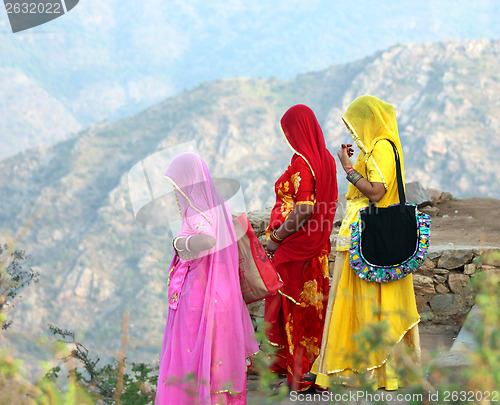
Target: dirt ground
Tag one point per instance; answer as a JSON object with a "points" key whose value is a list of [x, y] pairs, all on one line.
{"points": [[467, 222]]}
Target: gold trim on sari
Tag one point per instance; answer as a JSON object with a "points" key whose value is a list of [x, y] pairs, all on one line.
{"points": [[177, 188]]}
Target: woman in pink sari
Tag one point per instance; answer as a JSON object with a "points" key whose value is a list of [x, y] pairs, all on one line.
{"points": [[209, 333]]}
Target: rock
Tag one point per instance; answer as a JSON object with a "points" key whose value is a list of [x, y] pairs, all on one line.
{"points": [[494, 272], [437, 196], [416, 194], [256, 309], [434, 255], [423, 285], [491, 258], [441, 271], [84, 284], [422, 303], [427, 266], [485, 267], [469, 269], [442, 303], [454, 259], [439, 278], [430, 210], [440, 275], [458, 282], [442, 289], [259, 220]]}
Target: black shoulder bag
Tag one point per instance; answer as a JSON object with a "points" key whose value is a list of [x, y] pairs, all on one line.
{"points": [[389, 243]]}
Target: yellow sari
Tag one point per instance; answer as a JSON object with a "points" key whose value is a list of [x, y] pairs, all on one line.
{"points": [[355, 305]]}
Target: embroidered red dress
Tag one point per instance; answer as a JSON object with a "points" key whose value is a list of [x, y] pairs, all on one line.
{"points": [[296, 324]]}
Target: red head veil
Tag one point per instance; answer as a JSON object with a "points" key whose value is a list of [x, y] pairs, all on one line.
{"points": [[305, 137]]}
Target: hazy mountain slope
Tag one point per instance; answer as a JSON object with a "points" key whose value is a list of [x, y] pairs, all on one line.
{"points": [[97, 261], [29, 116], [447, 101], [107, 60]]}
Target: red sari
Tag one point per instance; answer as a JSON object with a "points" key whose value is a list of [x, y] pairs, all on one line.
{"points": [[296, 316]]}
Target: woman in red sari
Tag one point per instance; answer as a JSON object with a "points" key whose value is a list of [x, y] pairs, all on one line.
{"points": [[299, 240]]}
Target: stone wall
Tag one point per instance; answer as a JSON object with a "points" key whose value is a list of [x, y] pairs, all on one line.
{"points": [[442, 284]]}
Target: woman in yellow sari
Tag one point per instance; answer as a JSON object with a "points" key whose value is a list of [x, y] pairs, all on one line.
{"points": [[355, 305]]}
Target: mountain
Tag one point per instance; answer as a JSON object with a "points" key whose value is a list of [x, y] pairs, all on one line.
{"points": [[108, 60], [96, 261], [29, 116]]}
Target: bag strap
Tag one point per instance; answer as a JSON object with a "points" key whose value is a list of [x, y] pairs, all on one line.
{"points": [[399, 178]]}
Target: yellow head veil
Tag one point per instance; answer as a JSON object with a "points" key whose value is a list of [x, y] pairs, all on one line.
{"points": [[370, 120]]}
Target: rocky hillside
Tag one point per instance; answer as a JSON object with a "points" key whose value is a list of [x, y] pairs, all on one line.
{"points": [[96, 261]]}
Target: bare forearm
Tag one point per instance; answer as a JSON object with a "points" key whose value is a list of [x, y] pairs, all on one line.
{"points": [[374, 191], [297, 218], [196, 243]]}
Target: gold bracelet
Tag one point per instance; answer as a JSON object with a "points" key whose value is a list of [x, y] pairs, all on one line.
{"points": [[274, 236]]}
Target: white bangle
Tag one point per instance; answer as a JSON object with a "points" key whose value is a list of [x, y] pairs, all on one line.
{"points": [[187, 243], [175, 245]]}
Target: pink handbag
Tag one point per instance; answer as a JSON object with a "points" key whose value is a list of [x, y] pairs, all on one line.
{"points": [[258, 277]]}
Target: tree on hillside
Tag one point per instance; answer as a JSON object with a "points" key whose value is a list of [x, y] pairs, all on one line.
{"points": [[14, 276]]}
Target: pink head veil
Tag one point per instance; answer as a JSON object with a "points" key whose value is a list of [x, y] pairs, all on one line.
{"points": [[198, 195]]}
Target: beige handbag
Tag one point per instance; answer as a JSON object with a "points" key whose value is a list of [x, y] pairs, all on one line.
{"points": [[258, 277]]}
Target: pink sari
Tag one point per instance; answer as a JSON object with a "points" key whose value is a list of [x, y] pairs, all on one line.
{"points": [[209, 333]]}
